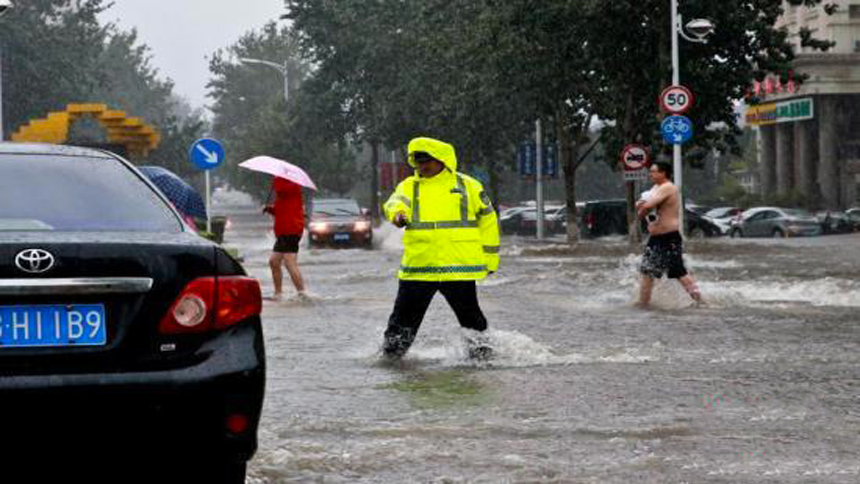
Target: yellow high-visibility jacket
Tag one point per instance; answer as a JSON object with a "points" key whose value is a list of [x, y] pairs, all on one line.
{"points": [[452, 233]]}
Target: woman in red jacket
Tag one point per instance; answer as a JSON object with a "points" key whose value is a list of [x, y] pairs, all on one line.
{"points": [[289, 224]]}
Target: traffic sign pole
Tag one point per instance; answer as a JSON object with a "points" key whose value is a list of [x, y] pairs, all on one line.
{"points": [[676, 148], [208, 203], [207, 154], [539, 179]]}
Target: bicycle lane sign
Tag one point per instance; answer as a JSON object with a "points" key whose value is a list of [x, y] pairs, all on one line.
{"points": [[677, 130]]}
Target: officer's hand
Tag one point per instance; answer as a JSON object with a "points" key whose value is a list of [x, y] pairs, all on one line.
{"points": [[400, 220], [268, 209]]}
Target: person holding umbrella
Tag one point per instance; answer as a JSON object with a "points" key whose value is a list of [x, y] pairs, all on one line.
{"points": [[288, 212], [289, 215]]}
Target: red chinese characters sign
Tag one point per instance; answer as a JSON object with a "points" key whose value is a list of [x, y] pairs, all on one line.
{"points": [[773, 85]]}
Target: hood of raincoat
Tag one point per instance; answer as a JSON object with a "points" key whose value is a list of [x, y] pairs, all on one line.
{"points": [[437, 149]]}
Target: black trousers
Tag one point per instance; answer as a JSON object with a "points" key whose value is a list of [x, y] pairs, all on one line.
{"points": [[413, 299]]}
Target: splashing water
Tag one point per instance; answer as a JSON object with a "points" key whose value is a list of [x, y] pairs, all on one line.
{"points": [[512, 349]]}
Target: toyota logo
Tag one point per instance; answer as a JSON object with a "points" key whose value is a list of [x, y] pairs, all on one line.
{"points": [[34, 261]]}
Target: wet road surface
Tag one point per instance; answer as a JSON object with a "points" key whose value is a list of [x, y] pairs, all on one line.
{"points": [[761, 385]]}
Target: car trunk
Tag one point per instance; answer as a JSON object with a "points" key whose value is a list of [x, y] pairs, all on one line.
{"points": [[133, 277]]}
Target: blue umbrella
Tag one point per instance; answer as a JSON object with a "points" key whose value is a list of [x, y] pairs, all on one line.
{"points": [[183, 196]]}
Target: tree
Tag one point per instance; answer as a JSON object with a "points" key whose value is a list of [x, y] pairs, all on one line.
{"points": [[51, 51], [358, 49], [479, 72], [56, 52], [252, 117]]}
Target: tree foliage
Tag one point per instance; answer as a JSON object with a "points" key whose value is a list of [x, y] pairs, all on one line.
{"points": [[479, 72], [56, 52], [253, 117]]}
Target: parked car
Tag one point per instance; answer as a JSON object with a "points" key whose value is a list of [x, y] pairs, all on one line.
{"points": [[511, 218], [122, 326], [699, 209], [510, 211], [522, 220], [698, 226], [722, 217], [834, 222], [556, 219], [722, 212], [604, 217], [609, 217], [854, 216], [776, 222], [339, 222]]}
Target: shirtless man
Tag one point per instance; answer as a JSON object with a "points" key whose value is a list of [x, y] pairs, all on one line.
{"points": [[664, 252]]}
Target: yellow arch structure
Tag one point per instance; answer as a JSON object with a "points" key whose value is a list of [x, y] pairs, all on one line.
{"points": [[138, 138]]}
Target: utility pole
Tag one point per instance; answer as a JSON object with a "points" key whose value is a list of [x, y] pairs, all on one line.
{"points": [[539, 179]]}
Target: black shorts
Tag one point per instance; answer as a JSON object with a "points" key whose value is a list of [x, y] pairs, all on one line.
{"points": [[287, 244], [664, 254]]}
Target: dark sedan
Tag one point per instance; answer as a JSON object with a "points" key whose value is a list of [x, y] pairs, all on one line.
{"points": [[698, 225], [339, 222], [609, 217], [123, 333]]}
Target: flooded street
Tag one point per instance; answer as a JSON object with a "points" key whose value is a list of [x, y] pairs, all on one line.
{"points": [[762, 385]]}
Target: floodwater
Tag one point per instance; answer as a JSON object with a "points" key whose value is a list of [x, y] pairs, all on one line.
{"points": [[761, 385]]}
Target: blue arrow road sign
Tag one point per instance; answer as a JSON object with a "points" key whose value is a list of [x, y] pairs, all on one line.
{"points": [[677, 130], [207, 153]]}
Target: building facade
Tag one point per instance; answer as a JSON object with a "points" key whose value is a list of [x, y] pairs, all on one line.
{"points": [[809, 133]]}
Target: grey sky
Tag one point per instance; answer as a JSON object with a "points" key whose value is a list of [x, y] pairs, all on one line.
{"points": [[182, 34]]}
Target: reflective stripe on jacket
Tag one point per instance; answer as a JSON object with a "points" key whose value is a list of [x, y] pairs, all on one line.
{"points": [[452, 232]]}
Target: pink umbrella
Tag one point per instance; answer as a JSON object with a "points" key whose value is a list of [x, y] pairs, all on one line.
{"points": [[279, 168]]}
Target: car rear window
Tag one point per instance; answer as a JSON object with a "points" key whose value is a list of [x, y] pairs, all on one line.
{"points": [[45, 192]]}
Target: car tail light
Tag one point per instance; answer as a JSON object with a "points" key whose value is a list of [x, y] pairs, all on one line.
{"points": [[239, 298], [237, 423], [211, 303], [589, 220]]}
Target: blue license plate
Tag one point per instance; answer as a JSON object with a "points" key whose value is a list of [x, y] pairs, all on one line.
{"points": [[341, 237], [53, 325]]}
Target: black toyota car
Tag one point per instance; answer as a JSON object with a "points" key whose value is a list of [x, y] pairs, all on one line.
{"points": [[123, 333]]}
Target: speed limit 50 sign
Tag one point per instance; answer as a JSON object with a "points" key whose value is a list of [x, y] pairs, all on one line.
{"points": [[676, 99]]}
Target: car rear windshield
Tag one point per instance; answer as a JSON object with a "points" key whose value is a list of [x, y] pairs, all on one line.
{"points": [[334, 208], [45, 192]]}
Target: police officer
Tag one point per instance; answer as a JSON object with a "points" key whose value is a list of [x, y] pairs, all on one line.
{"points": [[451, 241]]}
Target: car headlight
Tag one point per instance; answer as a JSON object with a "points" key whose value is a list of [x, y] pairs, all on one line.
{"points": [[318, 227], [362, 226]]}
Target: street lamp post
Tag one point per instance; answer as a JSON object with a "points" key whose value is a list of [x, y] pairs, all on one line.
{"points": [[282, 68], [701, 29]]}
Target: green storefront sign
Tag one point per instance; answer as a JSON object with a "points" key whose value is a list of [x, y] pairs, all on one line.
{"points": [[794, 110], [781, 112]]}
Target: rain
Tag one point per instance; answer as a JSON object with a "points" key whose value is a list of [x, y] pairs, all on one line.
{"points": [[552, 107]]}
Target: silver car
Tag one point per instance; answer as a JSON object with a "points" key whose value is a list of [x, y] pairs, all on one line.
{"points": [[776, 222]]}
